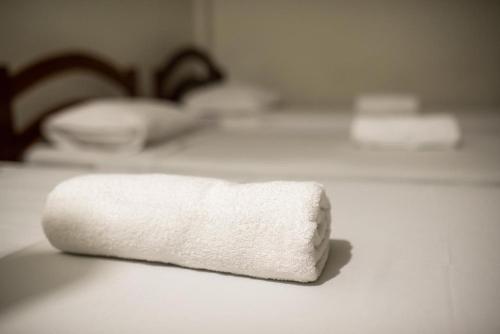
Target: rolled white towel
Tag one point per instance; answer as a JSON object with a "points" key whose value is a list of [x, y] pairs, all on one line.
{"points": [[278, 230], [386, 104], [434, 131]]}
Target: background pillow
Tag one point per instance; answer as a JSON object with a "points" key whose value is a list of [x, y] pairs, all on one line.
{"points": [[230, 98], [120, 124]]}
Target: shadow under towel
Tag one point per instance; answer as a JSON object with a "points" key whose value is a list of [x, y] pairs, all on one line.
{"points": [[278, 230]]}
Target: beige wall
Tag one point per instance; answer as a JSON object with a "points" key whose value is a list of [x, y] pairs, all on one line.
{"points": [[446, 51], [138, 32]]}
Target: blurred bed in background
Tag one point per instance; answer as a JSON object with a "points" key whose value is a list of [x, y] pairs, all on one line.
{"points": [[205, 120]]}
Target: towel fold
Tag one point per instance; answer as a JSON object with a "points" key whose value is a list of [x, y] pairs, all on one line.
{"points": [[433, 131], [278, 230]]}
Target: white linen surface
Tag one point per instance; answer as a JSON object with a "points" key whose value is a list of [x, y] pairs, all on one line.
{"points": [[330, 154], [22, 197], [115, 125], [305, 142], [413, 132], [277, 230], [406, 258]]}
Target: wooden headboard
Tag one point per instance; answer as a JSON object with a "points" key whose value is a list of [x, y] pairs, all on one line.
{"points": [[171, 85], [13, 85]]}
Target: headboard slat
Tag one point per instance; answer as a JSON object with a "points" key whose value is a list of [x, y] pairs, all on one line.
{"points": [[166, 86], [46, 68]]}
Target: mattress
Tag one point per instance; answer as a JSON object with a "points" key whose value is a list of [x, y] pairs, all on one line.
{"points": [[406, 257], [288, 120], [294, 143], [326, 155]]}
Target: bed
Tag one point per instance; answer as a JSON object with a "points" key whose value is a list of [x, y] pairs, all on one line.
{"points": [[415, 242], [296, 142], [171, 81], [13, 85], [308, 142], [406, 257], [290, 141]]}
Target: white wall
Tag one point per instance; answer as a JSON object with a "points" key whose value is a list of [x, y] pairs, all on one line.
{"points": [[446, 51], [130, 32]]}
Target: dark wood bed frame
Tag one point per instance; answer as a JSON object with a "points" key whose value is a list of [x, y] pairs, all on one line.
{"points": [[168, 85], [13, 85]]}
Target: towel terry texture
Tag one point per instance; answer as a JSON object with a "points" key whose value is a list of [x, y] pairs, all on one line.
{"points": [[278, 230]]}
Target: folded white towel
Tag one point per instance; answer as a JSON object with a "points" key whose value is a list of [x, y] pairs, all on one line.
{"points": [[278, 230], [386, 104], [115, 125], [437, 131]]}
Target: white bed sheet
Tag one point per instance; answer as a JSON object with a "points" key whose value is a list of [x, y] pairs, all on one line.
{"points": [[295, 142], [323, 154], [22, 197], [406, 258]]}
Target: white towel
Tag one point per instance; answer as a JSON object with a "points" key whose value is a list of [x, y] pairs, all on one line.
{"points": [[278, 230], [434, 131], [116, 125], [386, 104]]}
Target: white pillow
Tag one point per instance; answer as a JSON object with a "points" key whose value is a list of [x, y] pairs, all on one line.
{"points": [[229, 99], [116, 125]]}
